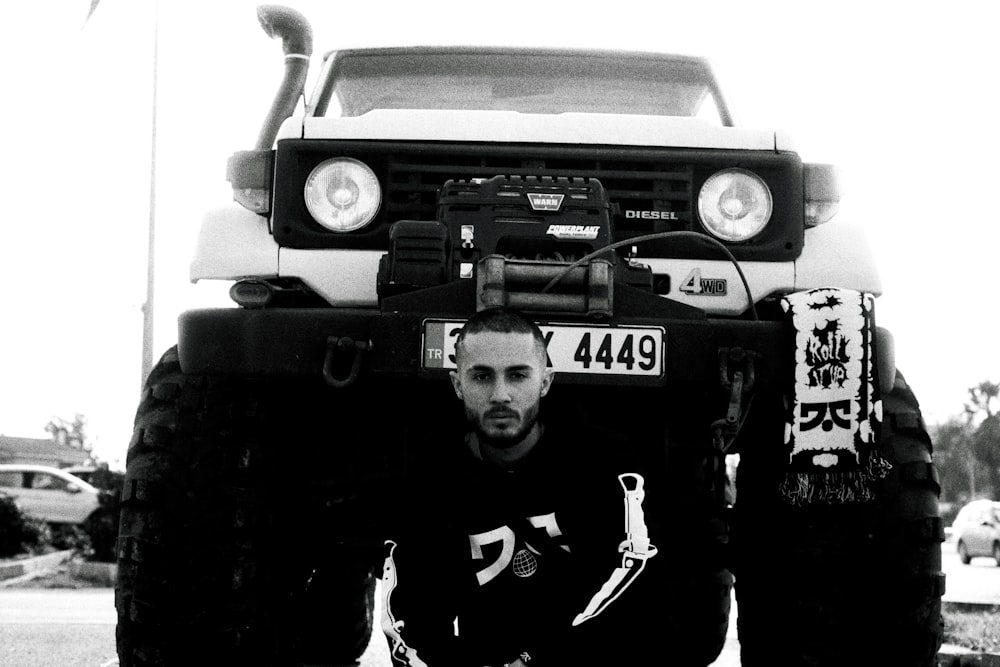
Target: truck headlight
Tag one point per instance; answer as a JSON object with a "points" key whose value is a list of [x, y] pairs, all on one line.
{"points": [[342, 194], [734, 204]]}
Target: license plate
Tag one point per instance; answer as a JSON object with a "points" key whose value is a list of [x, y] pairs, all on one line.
{"points": [[609, 350]]}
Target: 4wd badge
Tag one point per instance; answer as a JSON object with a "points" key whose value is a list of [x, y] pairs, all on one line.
{"points": [[541, 201], [695, 284]]}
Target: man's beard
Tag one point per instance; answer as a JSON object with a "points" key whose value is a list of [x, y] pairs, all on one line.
{"points": [[507, 438]]}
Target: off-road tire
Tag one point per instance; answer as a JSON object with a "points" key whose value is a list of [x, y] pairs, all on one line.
{"points": [[696, 586], [217, 562], [851, 584]]}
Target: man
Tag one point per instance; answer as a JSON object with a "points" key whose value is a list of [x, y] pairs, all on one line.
{"points": [[516, 548]]}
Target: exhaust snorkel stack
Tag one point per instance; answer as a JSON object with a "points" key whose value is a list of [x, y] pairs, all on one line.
{"points": [[296, 38]]}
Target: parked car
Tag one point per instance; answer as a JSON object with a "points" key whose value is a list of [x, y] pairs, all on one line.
{"points": [[976, 530], [84, 472], [49, 494]]}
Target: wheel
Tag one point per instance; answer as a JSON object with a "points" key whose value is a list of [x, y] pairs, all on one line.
{"points": [[996, 553], [832, 584], [963, 554], [218, 558]]}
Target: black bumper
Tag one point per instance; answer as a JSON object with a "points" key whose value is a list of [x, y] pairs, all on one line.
{"points": [[297, 341]]}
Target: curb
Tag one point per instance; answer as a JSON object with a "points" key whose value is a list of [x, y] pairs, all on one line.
{"points": [[951, 655], [18, 568], [99, 573], [975, 607]]}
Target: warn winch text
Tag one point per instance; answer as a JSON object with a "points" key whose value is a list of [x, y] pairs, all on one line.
{"points": [[545, 202]]}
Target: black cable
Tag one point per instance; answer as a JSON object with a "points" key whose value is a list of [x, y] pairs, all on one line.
{"points": [[653, 237]]}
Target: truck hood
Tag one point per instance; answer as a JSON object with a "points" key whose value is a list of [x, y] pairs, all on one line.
{"points": [[513, 127]]}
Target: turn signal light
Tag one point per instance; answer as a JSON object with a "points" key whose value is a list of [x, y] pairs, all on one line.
{"points": [[821, 192]]}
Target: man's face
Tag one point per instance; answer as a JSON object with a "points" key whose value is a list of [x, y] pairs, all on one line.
{"points": [[501, 378]]}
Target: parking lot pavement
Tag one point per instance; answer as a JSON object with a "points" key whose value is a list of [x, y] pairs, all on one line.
{"points": [[977, 583], [59, 627], [45, 622]]}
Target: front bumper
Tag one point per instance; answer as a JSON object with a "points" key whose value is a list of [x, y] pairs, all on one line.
{"points": [[300, 341]]}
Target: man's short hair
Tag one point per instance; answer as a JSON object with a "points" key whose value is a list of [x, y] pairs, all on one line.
{"points": [[500, 320]]}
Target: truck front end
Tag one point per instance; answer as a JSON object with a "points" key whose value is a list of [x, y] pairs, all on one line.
{"points": [[608, 196]]}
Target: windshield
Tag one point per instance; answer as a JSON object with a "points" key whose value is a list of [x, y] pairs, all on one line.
{"points": [[552, 82]]}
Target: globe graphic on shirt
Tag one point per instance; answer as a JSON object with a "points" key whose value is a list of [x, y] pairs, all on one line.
{"points": [[525, 563]]}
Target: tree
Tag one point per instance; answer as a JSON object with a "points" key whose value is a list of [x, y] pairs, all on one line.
{"points": [[967, 447], [986, 447], [955, 459], [70, 432], [981, 398], [985, 436]]}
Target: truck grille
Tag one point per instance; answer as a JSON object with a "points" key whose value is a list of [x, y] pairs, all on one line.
{"points": [[637, 187], [650, 189]]}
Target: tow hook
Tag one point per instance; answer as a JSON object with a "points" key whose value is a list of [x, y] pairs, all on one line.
{"points": [[737, 374], [339, 348]]}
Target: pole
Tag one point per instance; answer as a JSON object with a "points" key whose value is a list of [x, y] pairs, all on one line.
{"points": [[147, 307]]}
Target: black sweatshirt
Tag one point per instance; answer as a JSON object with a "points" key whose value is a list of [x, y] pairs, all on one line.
{"points": [[539, 563]]}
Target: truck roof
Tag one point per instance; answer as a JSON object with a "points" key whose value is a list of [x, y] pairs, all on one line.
{"points": [[515, 50], [523, 79]]}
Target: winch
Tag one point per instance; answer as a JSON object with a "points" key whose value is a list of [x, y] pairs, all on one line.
{"points": [[555, 220]]}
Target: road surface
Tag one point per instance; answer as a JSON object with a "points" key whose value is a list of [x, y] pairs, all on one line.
{"points": [[55, 627], [70, 628], [978, 582]]}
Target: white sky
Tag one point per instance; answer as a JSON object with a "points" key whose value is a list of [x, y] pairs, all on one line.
{"points": [[902, 95]]}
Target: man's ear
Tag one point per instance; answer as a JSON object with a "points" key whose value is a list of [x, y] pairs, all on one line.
{"points": [[548, 375], [456, 383]]}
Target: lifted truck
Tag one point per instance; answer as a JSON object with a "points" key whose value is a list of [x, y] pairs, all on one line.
{"points": [[695, 297]]}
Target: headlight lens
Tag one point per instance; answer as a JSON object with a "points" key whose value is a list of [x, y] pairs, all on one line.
{"points": [[342, 194], [734, 204]]}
